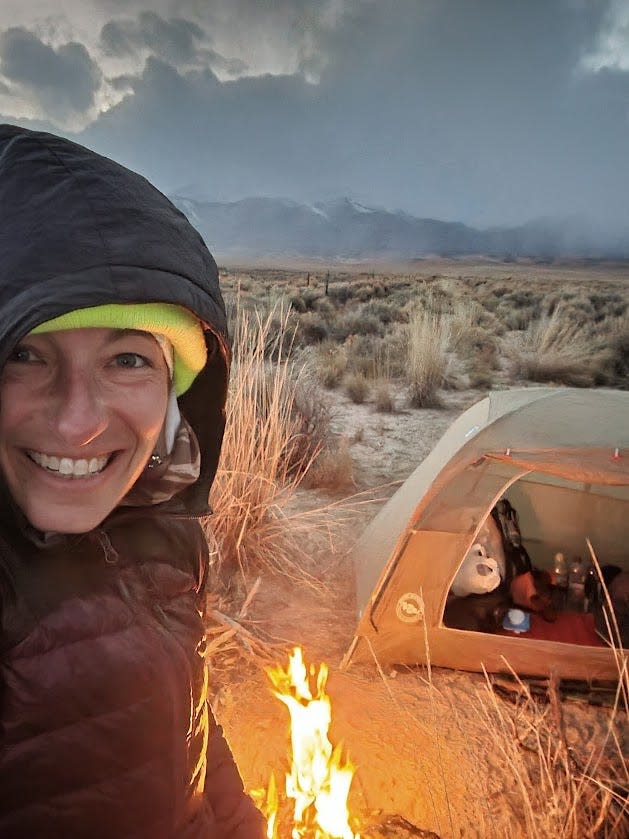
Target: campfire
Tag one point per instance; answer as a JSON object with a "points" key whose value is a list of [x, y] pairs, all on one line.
{"points": [[313, 804]]}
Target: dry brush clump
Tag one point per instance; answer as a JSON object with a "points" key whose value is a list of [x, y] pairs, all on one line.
{"points": [[273, 436], [357, 387], [559, 782], [555, 349], [427, 356]]}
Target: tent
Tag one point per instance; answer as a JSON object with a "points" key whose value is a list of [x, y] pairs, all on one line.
{"points": [[561, 457]]}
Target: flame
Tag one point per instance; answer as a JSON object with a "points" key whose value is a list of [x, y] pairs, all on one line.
{"points": [[319, 779]]}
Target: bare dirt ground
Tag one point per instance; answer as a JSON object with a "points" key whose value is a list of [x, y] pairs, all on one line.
{"points": [[418, 740]]}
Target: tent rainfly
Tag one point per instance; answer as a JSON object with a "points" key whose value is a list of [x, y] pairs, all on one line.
{"points": [[561, 457]]}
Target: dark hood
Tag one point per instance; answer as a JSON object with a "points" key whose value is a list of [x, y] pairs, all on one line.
{"points": [[79, 230]]}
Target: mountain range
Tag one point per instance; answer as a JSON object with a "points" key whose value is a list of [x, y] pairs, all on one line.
{"points": [[261, 228]]}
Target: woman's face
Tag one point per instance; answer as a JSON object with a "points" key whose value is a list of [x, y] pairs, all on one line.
{"points": [[80, 413]]}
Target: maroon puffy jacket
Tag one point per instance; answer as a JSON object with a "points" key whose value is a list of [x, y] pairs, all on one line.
{"points": [[107, 733]]}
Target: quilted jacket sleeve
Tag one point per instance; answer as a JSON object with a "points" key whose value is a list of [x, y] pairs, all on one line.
{"points": [[236, 814]]}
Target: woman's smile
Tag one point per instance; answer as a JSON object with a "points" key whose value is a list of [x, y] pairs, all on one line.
{"points": [[69, 467]]}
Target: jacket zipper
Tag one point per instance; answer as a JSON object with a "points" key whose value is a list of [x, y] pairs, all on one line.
{"points": [[111, 554]]}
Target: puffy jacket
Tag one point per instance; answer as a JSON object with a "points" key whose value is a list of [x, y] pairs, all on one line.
{"points": [[106, 729]]}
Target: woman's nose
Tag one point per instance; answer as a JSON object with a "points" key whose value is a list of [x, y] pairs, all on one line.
{"points": [[81, 413]]}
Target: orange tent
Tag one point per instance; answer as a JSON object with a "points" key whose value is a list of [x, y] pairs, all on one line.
{"points": [[561, 456]]}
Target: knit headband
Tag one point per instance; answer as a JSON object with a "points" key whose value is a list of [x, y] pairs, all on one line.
{"points": [[175, 323]]}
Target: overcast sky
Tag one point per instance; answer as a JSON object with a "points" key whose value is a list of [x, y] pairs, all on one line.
{"points": [[489, 112]]}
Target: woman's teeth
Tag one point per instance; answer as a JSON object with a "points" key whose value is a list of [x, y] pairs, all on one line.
{"points": [[69, 467]]}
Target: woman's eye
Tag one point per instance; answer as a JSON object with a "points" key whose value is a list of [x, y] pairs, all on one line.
{"points": [[22, 355], [131, 359]]}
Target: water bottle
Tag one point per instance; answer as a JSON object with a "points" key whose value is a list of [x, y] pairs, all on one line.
{"points": [[591, 589], [576, 573], [560, 571]]}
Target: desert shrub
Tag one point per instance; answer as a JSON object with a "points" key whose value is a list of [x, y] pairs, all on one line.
{"points": [[491, 297], [312, 328], [311, 298], [312, 416], [517, 320], [323, 306], [523, 299], [333, 469], [518, 309], [428, 339], [488, 320], [368, 355], [359, 323], [383, 398], [356, 387], [395, 353], [339, 293], [380, 310], [340, 329], [297, 303], [555, 349], [608, 305], [620, 349], [398, 301], [481, 377], [477, 346], [613, 360], [364, 293], [331, 363]]}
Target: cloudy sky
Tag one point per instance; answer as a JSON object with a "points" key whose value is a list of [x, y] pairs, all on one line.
{"points": [[489, 112]]}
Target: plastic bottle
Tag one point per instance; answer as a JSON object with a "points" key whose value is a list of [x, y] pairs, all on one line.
{"points": [[560, 571], [576, 573], [591, 589]]}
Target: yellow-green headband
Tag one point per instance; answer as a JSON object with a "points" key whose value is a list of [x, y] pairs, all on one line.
{"points": [[175, 323]]}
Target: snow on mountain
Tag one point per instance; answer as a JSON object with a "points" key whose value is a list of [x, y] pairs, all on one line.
{"points": [[344, 229]]}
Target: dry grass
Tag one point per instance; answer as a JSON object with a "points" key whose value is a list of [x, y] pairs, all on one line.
{"points": [[508, 323], [567, 789], [555, 349], [562, 785], [357, 387], [333, 469], [263, 461], [429, 335], [383, 397]]}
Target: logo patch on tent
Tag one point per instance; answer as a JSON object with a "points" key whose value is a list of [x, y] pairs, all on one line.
{"points": [[410, 608]]}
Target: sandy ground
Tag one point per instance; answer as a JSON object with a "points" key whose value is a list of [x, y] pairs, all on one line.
{"points": [[418, 740]]}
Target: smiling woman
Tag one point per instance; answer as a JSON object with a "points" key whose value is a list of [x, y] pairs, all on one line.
{"points": [[113, 373], [81, 412]]}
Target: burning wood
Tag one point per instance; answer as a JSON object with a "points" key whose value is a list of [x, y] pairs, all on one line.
{"points": [[319, 779]]}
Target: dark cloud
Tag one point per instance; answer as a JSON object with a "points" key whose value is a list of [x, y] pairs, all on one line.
{"points": [[63, 80], [176, 40], [476, 112]]}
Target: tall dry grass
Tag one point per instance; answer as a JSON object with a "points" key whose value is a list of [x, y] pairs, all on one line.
{"points": [[255, 526], [564, 786], [559, 786], [557, 349], [429, 334]]}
